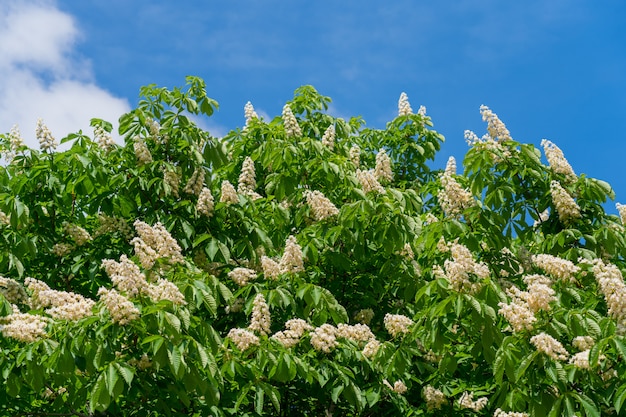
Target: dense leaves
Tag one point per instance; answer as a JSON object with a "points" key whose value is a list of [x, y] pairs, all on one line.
{"points": [[304, 265]]}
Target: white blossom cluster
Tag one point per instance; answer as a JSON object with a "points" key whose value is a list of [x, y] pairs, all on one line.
{"points": [[368, 181], [142, 153], [549, 346], [565, 205], [103, 138], [518, 314], [621, 209], [205, 204], [356, 332], [450, 166], [383, 171], [125, 275], [77, 233], [292, 129], [165, 290], [241, 276], [155, 242], [196, 182], [15, 143], [13, 291], [247, 179], [397, 324], [59, 304], [404, 107], [500, 413], [23, 326], [62, 249], [328, 139], [371, 348], [249, 113], [496, 128], [113, 224], [172, 180], [581, 360], [611, 283], [355, 155], [452, 197], [153, 127], [4, 219], [271, 268], [294, 330], [292, 260], [398, 387], [467, 401], [47, 142], [557, 161], [459, 269], [559, 268], [15, 138], [324, 338], [364, 316], [122, 310], [435, 399], [243, 338], [321, 206], [583, 342], [495, 150], [260, 321], [228, 194]]}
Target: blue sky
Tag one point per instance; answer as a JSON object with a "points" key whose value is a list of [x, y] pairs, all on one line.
{"points": [[553, 69]]}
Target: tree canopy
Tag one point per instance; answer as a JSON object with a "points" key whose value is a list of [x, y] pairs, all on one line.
{"points": [[304, 265]]}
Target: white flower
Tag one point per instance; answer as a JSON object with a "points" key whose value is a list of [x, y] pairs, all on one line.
{"points": [[369, 182], [121, 309], [323, 338], [397, 324], [355, 153], [228, 195], [383, 172], [103, 138], [321, 206], [557, 161], [205, 202], [292, 259], [47, 142], [243, 338], [549, 346], [565, 205], [467, 401], [328, 139], [497, 130], [435, 399], [249, 113], [241, 276], [453, 198], [292, 129], [196, 182], [261, 320], [142, 153], [404, 107]]}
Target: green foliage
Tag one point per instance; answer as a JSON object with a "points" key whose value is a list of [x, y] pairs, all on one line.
{"points": [[429, 268]]}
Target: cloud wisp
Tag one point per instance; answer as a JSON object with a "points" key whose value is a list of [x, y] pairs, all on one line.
{"points": [[40, 76]]}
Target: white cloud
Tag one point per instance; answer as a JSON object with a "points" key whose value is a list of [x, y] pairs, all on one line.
{"points": [[41, 77]]}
